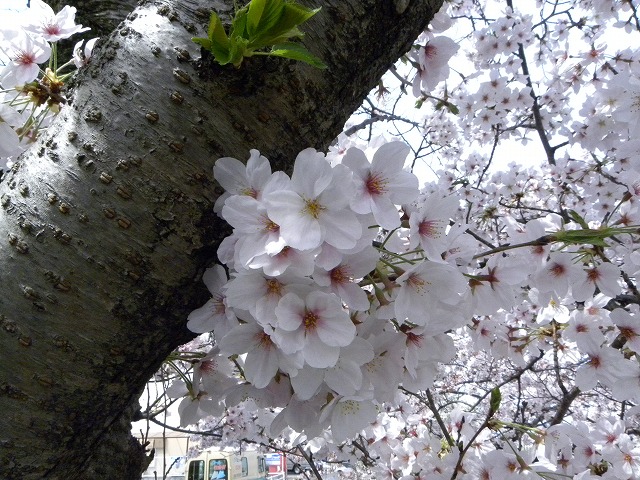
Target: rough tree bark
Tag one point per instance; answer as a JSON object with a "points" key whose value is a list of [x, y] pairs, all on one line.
{"points": [[106, 225]]}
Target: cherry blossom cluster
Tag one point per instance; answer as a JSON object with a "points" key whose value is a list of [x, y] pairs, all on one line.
{"points": [[327, 314], [343, 304], [30, 93], [294, 304]]}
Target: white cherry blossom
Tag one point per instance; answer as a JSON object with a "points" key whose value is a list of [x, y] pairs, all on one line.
{"points": [[42, 21], [425, 285], [313, 207], [315, 324], [25, 54], [381, 184], [213, 315]]}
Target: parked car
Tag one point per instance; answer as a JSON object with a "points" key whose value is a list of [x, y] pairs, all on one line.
{"points": [[294, 467]]}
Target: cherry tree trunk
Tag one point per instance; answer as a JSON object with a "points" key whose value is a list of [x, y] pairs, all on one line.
{"points": [[106, 224]]}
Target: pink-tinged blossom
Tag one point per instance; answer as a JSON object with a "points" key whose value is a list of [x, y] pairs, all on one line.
{"points": [[258, 233], [530, 232], [625, 459], [604, 364], [627, 386], [623, 94], [301, 416], [213, 373], [381, 184], [239, 179], [193, 408], [263, 358], [557, 274], [387, 363], [493, 287], [82, 56], [344, 378], [11, 146], [428, 224], [342, 279], [202, 397], [348, 416], [628, 326], [422, 354], [213, 315], [52, 27], [288, 260], [585, 330], [432, 62], [259, 293], [604, 276], [313, 208], [608, 432], [315, 324], [25, 53], [425, 285], [500, 465], [331, 256]]}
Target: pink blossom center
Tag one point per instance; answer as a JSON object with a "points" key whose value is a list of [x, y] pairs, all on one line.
{"points": [[557, 270], [25, 58], [218, 304], [414, 339], [264, 340], [537, 250], [340, 275], [285, 252], [593, 275], [582, 328], [430, 51], [593, 310], [627, 332], [208, 366], [376, 184], [428, 228], [52, 29], [416, 282]]}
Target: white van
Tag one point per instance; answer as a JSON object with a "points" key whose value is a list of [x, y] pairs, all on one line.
{"points": [[214, 465]]}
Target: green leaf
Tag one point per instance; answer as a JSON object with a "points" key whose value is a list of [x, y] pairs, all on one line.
{"points": [[203, 42], [219, 42], [291, 16], [256, 7], [239, 24], [216, 31], [453, 109], [294, 15], [494, 402], [238, 51], [295, 51], [578, 219], [269, 17]]}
